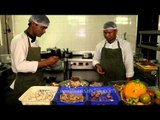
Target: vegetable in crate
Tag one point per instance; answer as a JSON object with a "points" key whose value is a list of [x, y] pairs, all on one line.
{"points": [[151, 93]]}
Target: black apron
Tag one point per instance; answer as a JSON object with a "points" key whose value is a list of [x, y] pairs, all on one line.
{"points": [[112, 64], [26, 80]]}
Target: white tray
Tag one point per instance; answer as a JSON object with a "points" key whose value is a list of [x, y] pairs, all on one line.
{"points": [[39, 95]]}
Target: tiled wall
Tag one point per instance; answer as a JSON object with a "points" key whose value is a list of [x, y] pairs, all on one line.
{"points": [[79, 32]]}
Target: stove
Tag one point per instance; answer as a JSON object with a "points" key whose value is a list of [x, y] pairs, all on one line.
{"points": [[82, 68], [80, 63]]}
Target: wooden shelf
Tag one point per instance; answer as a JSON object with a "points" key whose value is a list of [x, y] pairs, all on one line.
{"points": [[149, 47]]}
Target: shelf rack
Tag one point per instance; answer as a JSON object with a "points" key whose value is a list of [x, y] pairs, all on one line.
{"points": [[149, 46]]}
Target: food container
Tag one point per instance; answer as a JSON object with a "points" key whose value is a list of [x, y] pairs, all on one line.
{"points": [[39, 95], [87, 56], [104, 95], [75, 92], [5, 58]]}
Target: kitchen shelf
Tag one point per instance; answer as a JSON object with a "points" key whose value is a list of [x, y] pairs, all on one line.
{"points": [[148, 41], [150, 32], [149, 47]]}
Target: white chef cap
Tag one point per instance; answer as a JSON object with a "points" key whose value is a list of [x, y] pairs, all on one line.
{"points": [[40, 20], [109, 25]]}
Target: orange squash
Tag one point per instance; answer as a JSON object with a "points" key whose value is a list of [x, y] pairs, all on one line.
{"points": [[134, 88]]}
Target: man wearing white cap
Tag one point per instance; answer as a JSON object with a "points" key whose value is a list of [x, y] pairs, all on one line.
{"points": [[113, 57], [25, 55]]}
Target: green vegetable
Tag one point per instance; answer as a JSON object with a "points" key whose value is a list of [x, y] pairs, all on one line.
{"points": [[132, 101], [157, 93]]}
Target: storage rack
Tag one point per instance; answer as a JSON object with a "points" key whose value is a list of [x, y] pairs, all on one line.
{"points": [[150, 33], [149, 46]]}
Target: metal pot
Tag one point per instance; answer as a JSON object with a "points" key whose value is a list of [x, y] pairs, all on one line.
{"points": [[87, 56], [45, 54], [56, 52]]}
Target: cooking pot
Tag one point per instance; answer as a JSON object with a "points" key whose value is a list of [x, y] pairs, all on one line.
{"points": [[87, 56], [55, 52], [45, 54]]}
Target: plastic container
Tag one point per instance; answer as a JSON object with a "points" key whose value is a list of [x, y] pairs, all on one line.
{"points": [[75, 91], [104, 95], [39, 95]]}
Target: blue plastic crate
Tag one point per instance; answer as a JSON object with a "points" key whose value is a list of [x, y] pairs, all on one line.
{"points": [[75, 91], [104, 95]]}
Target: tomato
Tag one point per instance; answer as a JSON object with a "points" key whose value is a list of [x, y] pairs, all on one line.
{"points": [[151, 93], [157, 101], [145, 98]]}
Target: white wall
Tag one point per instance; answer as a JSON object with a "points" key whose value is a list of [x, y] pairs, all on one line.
{"points": [[79, 32]]}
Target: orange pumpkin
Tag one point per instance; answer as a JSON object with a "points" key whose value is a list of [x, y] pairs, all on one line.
{"points": [[134, 88]]}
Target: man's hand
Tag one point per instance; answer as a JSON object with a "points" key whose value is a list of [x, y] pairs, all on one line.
{"points": [[99, 69], [48, 62], [51, 60]]}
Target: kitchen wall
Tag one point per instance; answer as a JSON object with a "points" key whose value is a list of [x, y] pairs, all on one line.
{"points": [[0, 32], [79, 32], [5, 33]]}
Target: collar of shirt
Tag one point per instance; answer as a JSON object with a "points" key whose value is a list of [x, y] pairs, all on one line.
{"points": [[31, 36], [111, 45]]}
